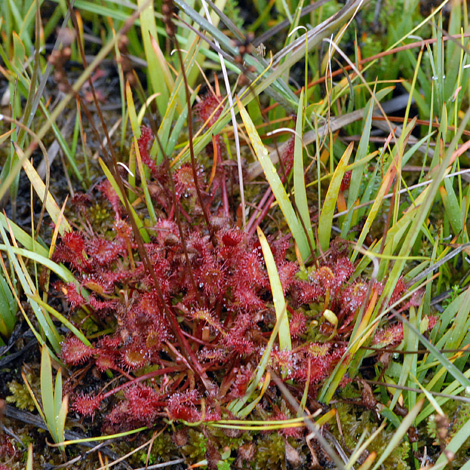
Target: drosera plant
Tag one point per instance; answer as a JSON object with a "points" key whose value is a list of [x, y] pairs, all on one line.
{"points": [[225, 310]]}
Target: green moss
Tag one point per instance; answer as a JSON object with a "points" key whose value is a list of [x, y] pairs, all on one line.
{"points": [[20, 395], [99, 215], [271, 452], [195, 449], [163, 449], [227, 439], [354, 422]]}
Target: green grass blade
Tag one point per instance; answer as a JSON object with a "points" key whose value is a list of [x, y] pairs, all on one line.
{"points": [[24, 238], [451, 206], [47, 392], [57, 397], [300, 192], [329, 205], [451, 368], [362, 149], [64, 321], [149, 31], [8, 309], [408, 368], [236, 406], [278, 294], [51, 206], [276, 186], [60, 270], [29, 461]]}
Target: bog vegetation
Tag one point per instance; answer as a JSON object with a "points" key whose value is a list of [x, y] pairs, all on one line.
{"points": [[234, 235]]}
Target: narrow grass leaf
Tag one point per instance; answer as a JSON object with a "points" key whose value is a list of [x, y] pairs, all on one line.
{"points": [[329, 205], [429, 397], [29, 461], [356, 176], [278, 294], [8, 309], [62, 417], [60, 270], [63, 145], [149, 30], [164, 69], [5, 135], [64, 321], [143, 181], [276, 185], [300, 191], [451, 206], [409, 362], [47, 392], [132, 111], [453, 389], [236, 406], [458, 329], [51, 206], [57, 399], [459, 376]]}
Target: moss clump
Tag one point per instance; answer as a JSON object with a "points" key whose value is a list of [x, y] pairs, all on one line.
{"points": [[271, 452], [20, 395], [354, 423], [195, 448]]}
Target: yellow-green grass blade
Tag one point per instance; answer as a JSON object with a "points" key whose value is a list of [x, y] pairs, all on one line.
{"points": [[278, 294], [408, 368], [64, 321], [51, 206], [329, 205], [361, 154], [451, 206], [387, 182], [24, 238], [59, 269], [60, 408], [300, 192], [236, 406], [276, 185], [29, 461], [47, 392], [13, 173], [449, 366]]}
